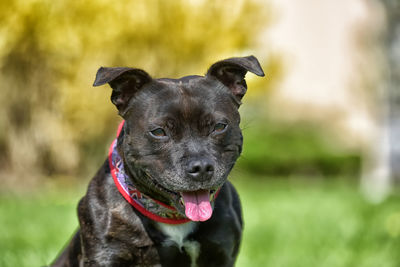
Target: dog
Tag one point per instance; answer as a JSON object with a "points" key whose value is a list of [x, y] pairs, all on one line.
{"points": [[162, 197]]}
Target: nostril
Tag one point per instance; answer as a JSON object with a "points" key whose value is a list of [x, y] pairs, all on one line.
{"points": [[200, 169], [209, 168], [195, 169]]}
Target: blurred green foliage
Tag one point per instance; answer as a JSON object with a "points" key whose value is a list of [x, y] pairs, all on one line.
{"points": [[292, 222], [277, 148]]}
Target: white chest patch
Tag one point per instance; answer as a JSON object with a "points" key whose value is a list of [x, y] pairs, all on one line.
{"points": [[177, 234]]}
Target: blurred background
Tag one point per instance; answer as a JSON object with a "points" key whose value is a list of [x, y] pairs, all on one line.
{"points": [[319, 173]]}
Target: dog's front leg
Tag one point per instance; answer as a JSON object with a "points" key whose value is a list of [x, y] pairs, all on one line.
{"points": [[109, 253], [113, 235]]}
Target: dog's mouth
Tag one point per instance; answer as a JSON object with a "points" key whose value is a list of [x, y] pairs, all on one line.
{"points": [[196, 205]]}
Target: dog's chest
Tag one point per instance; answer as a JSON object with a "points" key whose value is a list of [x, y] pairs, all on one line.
{"points": [[177, 235]]}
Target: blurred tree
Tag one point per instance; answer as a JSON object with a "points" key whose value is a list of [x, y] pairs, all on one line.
{"points": [[51, 119], [392, 48], [382, 169]]}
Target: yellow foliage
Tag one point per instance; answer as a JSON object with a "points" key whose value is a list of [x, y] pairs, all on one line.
{"points": [[50, 51]]}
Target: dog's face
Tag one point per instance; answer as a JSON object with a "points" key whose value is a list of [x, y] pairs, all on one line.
{"points": [[181, 137]]}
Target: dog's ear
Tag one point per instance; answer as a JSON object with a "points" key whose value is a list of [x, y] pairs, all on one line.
{"points": [[231, 73], [125, 82]]}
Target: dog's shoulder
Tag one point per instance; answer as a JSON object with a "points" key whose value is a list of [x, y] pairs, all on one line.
{"points": [[105, 212]]}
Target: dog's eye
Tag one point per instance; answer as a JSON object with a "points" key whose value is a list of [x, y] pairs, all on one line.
{"points": [[220, 127], [158, 133]]}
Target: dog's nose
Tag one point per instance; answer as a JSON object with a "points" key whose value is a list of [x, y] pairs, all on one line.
{"points": [[200, 169]]}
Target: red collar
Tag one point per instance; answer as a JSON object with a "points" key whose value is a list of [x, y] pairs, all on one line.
{"points": [[146, 205]]}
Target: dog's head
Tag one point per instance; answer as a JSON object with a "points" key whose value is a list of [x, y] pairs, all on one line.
{"points": [[181, 137]]}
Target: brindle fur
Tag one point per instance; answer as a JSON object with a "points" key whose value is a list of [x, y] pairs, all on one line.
{"points": [[112, 232]]}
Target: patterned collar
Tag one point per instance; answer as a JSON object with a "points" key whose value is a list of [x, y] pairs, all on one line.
{"points": [[146, 205]]}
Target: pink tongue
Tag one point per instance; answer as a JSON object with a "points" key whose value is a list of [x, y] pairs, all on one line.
{"points": [[197, 205]]}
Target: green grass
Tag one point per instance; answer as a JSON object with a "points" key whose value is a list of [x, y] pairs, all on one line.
{"points": [[317, 223], [35, 227], [292, 222]]}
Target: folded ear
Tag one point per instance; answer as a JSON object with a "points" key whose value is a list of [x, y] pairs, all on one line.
{"points": [[125, 82], [231, 73]]}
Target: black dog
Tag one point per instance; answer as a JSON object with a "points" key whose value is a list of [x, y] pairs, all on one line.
{"points": [[162, 197]]}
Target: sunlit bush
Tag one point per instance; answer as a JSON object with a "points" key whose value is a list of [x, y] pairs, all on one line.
{"points": [[52, 120]]}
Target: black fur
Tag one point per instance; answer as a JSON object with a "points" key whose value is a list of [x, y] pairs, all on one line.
{"points": [[112, 232]]}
